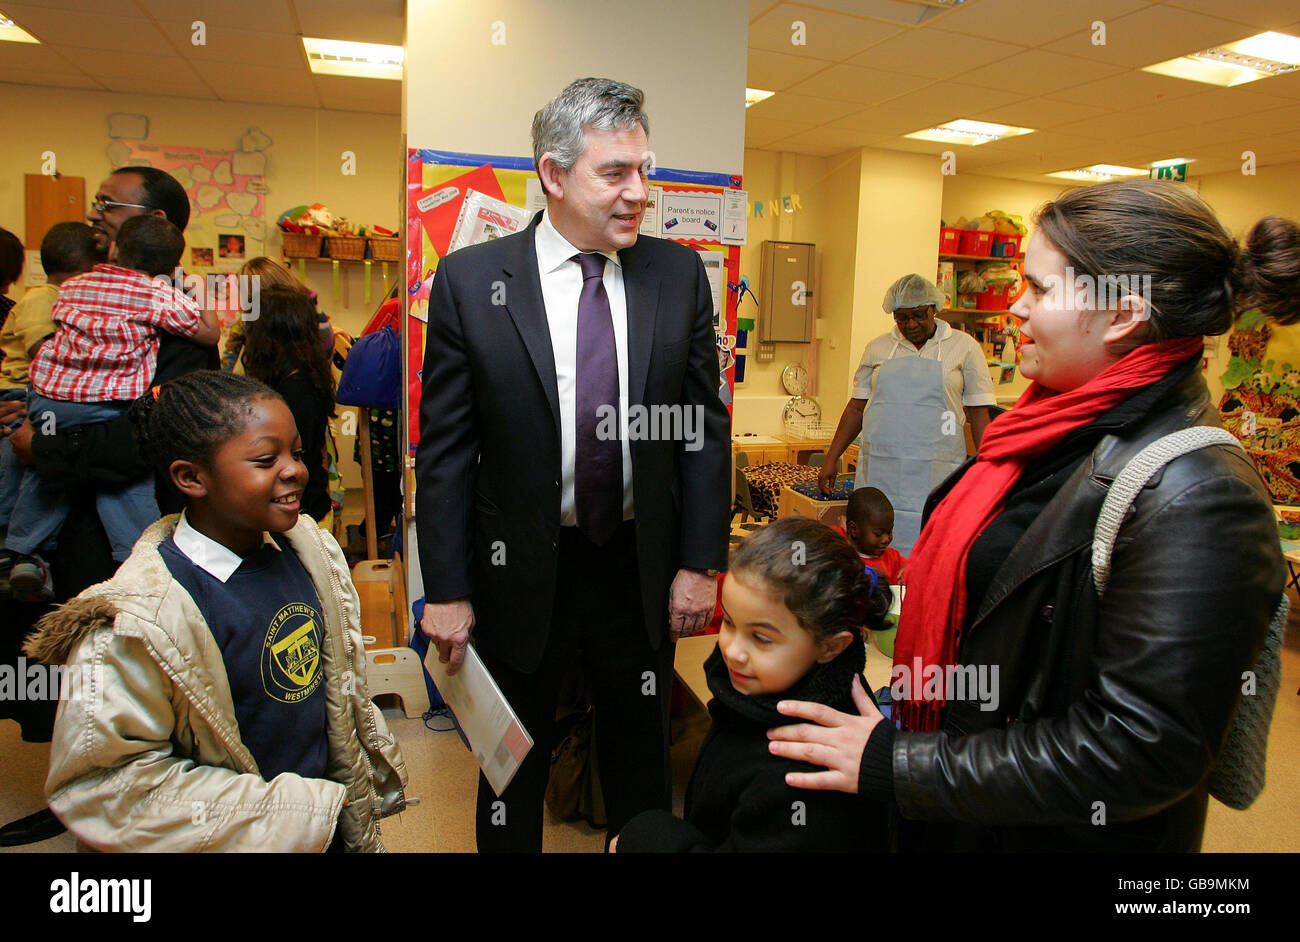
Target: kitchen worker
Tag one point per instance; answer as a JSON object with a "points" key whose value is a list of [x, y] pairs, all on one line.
{"points": [[918, 385]]}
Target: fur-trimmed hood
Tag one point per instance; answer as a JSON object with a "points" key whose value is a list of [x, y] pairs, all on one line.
{"points": [[58, 632]]}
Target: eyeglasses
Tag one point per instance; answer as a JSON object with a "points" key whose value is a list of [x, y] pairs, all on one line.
{"points": [[915, 317], [102, 205]]}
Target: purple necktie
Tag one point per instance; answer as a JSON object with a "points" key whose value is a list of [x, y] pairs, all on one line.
{"points": [[598, 458]]}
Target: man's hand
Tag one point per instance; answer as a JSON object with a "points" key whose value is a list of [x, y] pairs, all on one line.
{"points": [[448, 625], [21, 438], [837, 743], [11, 412], [690, 602]]}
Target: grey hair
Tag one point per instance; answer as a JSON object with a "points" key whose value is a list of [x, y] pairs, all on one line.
{"points": [[603, 104]]}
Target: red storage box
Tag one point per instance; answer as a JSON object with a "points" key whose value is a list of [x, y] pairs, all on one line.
{"points": [[1006, 246], [976, 242], [992, 299], [949, 240]]}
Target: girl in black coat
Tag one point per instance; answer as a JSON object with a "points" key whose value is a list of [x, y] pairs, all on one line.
{"points": [[794, 605]]}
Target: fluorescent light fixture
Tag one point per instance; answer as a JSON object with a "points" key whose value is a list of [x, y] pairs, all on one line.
{"points": [[1100, 173], [1261, 56], [968, 132], [357, 60], [754, 95], [11, 32], [1171, 162]]}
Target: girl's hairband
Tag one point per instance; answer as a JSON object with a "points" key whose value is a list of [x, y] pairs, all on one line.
{"points": [[875, 577]]}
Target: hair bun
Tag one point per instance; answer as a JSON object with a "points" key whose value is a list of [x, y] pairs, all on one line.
{"points": [[1266, 273]]}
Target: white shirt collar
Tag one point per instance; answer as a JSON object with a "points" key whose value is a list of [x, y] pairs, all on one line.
{"points": [[206, 553], [942, 331], [553, 249]]}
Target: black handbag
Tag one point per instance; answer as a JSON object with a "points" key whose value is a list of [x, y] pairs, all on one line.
{"points": [[103, 456]]}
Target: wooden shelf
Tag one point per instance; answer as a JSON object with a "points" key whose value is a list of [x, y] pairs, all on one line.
{"points": [[982, 258]]}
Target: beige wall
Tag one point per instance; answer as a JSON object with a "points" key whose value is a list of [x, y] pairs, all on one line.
{"points": [[688, 56], [304, 167]]}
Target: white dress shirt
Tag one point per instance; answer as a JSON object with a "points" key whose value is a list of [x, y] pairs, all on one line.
{"points": [[212, 557], [561, 286]]}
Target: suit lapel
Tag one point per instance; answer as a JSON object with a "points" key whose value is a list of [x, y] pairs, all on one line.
{"points": [[527, 309], [641, 287]]}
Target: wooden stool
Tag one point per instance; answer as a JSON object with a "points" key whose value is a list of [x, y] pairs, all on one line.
{"points": [[398, 671]]}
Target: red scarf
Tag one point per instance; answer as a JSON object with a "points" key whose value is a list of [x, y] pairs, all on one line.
{"points": [[934, 609]]}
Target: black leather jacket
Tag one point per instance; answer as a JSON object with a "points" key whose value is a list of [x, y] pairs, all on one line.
{"points": [[1110, 712]]}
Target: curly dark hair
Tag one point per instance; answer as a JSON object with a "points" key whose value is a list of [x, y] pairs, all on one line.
{"points": [[284, 339], [817, 573], [193, 415]]}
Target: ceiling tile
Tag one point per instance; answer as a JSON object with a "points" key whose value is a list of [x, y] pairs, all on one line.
{"points": [[133, 37], [761, 131], [1039, 73], [1042, 113], [892, 121], [1150, 36], [384, 21], [1265, 14], [230, 80], [53, 79], [790, 107], [359, 94], [758, 7], [1128, 90], [854, 83], [123, 8], [241, 46], [821, 142], [271, 16], [826, 35], [776, 71], [164, 70], [934, 53], [1032, 22], [151, 86], [957, 100]]}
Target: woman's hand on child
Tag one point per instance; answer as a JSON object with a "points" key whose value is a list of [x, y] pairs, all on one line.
{"points": [[836, 743]]}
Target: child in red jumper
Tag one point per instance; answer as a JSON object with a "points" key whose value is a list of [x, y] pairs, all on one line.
{"points": [[869, 525]]}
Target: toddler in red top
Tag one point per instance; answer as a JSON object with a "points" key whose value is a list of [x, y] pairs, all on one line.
{"points": [[869, 525], [102, 357]]}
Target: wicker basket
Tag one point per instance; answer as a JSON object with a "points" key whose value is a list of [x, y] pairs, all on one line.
{"points": [[384, 249], [301, 245], [346, 246]]}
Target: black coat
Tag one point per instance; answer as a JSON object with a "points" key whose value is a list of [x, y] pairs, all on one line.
{"points": [[1111, 712], [488, 465], [738, 800]]}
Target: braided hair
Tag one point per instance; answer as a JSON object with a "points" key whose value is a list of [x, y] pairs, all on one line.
{"points": [[817, 574], [190, 417]]}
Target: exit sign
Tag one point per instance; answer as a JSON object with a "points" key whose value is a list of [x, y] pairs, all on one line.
{"points": [[1176, 172]]}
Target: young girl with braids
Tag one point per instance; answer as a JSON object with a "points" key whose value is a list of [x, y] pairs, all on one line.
{"points": [[229, 707], [794, 604]]}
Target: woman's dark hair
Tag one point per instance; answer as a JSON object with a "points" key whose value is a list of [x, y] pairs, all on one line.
{"points": [[1201, 280], [818, 575], [11, 258], [193, 415], [160, 190], [284, 339]]}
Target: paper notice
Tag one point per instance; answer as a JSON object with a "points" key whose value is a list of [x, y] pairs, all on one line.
{"points": [[735, 223]]}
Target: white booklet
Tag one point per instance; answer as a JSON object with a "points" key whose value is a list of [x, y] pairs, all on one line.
{"points": [[488, 725]]}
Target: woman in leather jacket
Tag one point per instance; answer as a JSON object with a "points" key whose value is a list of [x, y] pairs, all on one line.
{"points": [[1035, 715]]}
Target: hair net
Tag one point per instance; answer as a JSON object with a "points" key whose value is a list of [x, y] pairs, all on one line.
{"points": [[912, 291]]}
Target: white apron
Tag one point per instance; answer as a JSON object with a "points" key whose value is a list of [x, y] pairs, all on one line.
{"points": [[903, 434]]}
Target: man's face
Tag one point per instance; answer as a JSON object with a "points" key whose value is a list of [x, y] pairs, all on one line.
{"points": [[116, 188], [598, 204]]}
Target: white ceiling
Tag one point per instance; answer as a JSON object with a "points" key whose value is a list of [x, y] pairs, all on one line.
{"points": [[867, 74]]}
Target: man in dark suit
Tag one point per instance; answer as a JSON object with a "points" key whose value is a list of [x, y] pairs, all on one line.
{"points": [[572, 495]]}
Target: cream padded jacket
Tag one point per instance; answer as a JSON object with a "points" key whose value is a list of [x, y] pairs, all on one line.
{"points": [[149, 756]]}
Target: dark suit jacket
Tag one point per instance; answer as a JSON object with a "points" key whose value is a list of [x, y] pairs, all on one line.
{"points": [[488, 465]]}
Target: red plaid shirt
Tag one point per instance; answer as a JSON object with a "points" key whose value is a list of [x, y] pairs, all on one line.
{"points": [[105, 344]]}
